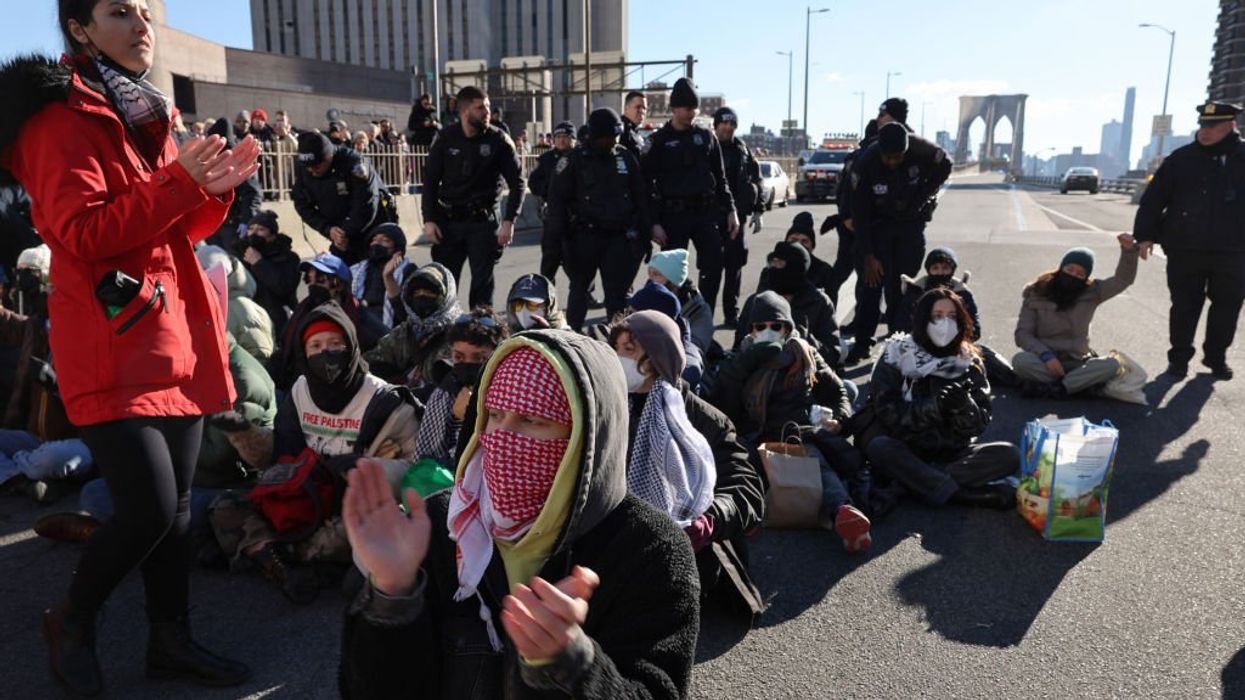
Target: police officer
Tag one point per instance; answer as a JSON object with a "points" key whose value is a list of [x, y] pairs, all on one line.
{"points": [[845, 258], [684, 164], [894, 109], [635, 108], [337, 193], [538, 182], [462, 185], [894, 182], [743, 174], [598, 205], [1195, 208]]}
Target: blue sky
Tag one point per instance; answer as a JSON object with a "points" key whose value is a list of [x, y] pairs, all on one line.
{"points": [[1074, 58]]}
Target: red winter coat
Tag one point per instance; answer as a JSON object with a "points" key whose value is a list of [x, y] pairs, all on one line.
{"points": [[100, 207]]}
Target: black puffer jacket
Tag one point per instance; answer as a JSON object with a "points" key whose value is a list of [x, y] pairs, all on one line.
{"points": [[276, 280], [944, 415], [640, 635]]}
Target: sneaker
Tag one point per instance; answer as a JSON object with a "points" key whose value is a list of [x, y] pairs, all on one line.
{"points": [[852, 525], [1219, 369]]}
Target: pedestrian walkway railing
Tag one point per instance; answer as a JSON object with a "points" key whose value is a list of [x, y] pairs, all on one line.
{"points": [[401, 168], [1120, 186]]}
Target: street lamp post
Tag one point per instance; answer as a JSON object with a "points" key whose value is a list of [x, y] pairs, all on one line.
{"points": [[790, 69], [888, 83], [861, 94], [808, 20], [1171, 49]]}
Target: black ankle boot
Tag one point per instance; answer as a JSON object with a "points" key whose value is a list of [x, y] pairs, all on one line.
{"points": [[71, 649], [172, 654]]}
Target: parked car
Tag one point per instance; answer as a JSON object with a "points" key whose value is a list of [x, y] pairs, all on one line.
{"points": [[775, 185], [819, 176], [1079, 179]]}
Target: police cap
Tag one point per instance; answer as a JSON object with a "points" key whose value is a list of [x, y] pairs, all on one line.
{"points": [[893, 139], [725, 114], [1214, 112]]}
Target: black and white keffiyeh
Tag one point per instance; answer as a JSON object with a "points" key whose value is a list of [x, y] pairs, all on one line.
{"points": [[915, 362], [671, 466]]}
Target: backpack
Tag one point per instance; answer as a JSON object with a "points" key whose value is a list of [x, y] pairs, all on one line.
{"points": [[296, 495]]}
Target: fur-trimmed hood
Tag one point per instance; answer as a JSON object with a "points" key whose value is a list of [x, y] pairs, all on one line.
{"points": [[958, 284], [29, 83]]}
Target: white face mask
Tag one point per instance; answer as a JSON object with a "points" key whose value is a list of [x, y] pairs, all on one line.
{"points": [[525, 317], [769, 335], [631, 370], [942, 331]]}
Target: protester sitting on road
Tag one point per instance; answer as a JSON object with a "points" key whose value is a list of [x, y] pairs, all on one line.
{"points": [[219, 465], [269, 256], [377, 279], [472, 339], [1055, 358], [247, 197], [929, 401], [684, 459], [340, 412], [604, 590], [411, 353], [820, 273], [533, 303], [669, 269], [327, 279], [249, 323], [654, 296], [811, 310]]}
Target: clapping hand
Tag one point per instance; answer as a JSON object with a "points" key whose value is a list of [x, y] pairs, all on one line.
{"points": [[219, 171], [387, 543], [543, 619]]}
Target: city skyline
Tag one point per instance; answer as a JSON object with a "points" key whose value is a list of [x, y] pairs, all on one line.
{"points": [[952, 49]]}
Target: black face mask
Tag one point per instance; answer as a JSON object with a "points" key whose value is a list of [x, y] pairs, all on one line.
{"points": [[935, 281], [257, 242], [329, 365], [318, 294], [1064, 289], [424, 306], [379, 254], [28, 281], [467, 373], [786, 280]]}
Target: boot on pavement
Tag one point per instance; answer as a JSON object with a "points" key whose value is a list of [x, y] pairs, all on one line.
{"points": [[1219, 369], [996, 496], [66, 527], [172, 654], [71, 651]]}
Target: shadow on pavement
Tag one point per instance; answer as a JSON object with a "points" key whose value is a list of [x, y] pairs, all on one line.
{"points": [[1233, 677]]}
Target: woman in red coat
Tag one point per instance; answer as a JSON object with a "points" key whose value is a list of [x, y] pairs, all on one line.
{"points": [[137, 337]]}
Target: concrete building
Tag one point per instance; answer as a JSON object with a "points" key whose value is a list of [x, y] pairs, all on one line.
{"points": [[1170, 144], [1124, 155], [1109, 162], [1227, 63], [1077, 158], [944, 141]]}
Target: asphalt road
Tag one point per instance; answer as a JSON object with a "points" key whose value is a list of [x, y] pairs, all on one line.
{"points": [[948, 603]]}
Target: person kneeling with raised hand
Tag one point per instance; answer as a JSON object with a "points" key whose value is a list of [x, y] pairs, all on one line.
{"points": [[603, 591]]}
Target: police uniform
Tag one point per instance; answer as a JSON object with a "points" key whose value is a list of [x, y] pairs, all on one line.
{"points": [[350, 195], [689, 184], [743, 174], [889, 209], [463, 180], [538, 182], [630, 138], [598, 206], [1195, 208]]}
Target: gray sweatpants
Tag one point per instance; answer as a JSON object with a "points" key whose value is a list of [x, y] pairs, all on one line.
{"points": [[1078, 376]]}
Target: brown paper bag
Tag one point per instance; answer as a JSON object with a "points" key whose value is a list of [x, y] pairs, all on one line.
{"points": [[794, 497]]}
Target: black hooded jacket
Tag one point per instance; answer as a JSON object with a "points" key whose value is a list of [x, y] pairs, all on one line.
{"points": [[247, 198], [640, 634], [276, 280]]}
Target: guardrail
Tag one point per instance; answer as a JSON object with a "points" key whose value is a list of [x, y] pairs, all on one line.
{"points": [[1121, 186]]}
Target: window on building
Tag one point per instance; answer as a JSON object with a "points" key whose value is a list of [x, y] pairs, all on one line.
{"points": [[184, 94]]}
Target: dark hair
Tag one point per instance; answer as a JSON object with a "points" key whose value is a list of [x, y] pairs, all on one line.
{"points": [[632, 95], [491, 330], [425, 96], [468, 95], [619, 326], [79, 11], [920, 320]]}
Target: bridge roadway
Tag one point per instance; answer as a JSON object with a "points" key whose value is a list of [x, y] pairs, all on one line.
{"points": [[948, 603]]}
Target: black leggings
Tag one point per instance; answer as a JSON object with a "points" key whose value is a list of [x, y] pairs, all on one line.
{"points": [[148, 464]]}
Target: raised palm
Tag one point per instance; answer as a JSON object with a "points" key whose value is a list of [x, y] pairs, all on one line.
{"points": [[387, 544]]}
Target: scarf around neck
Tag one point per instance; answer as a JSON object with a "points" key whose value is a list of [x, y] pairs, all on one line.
{"points": [[671, 465], [146, 112], [915, 362]]}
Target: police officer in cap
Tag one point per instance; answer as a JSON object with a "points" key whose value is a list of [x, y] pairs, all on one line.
{"points": [[895, 183], [337, 193], [841, 222], [538, 182], [894, 109], [684, 164], [1195, 208], [463, 178], [598, 206], [743, 175]]}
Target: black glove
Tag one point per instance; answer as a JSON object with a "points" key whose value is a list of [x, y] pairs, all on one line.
{"points": [[927, 209], [229, 421], [832, 222], [340, 464], [955, 396]]}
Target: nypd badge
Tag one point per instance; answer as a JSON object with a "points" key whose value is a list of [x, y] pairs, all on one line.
{"points": [[562, 163], [485, 150], [622, 165], [880, 188], [698, 139]]}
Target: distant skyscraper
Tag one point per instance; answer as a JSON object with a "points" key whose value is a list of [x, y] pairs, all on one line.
{"points": [[1126, 136], [1109, 162], [944, 141], [1227, 64]]}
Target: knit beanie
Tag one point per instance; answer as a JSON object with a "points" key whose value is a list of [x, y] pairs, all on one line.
{"points": [[1079, 256], [672, 264], [683, 94], [893, 139], [942, 254], [657, 297], [803, 223]]}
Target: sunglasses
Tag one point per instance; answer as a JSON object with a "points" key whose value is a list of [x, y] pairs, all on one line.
{"points": [[519, 304], [486, 321], [771, 325]]}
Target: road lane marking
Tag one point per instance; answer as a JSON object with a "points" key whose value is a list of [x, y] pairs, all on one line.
{"points": [[1083, 224], [1020, 215]]}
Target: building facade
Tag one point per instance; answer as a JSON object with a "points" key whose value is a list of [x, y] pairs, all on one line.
{"points": [[1227, 64]]}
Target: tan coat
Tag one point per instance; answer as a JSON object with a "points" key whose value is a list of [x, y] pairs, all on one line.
{"points": [[1043, 328]]}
